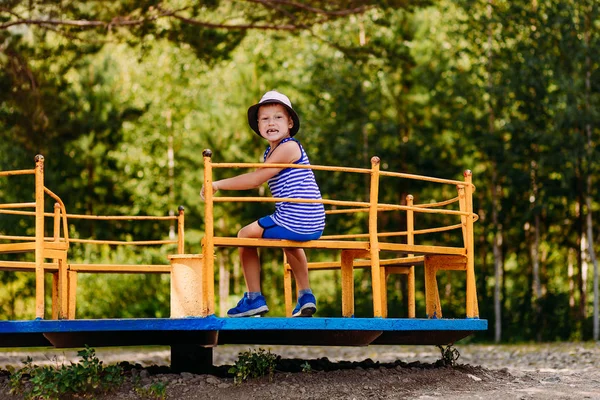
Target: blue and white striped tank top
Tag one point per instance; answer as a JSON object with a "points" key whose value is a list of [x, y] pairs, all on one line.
{"points": [[303, 218]]}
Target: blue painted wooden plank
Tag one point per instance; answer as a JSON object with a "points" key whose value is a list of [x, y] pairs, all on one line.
{"points": [[243, 324]]}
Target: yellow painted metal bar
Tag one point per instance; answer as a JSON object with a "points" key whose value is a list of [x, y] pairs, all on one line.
{"points": [[287, 286], [288, 200], [463, 207], [472, 306], [296, 166], [437, 204], [17, 247], [124, 242], [422, 249], [391, 234], [425, 210], [410, 240], [374, 240], [181, 230], [39, 236], [14, 212], [388, 263], [121, 268], [356, 210], [421, 178], [208, 250], [123, 217], [25, 238], [61, 277], [18, 205], [18, 172], [313, 244], [25, 266], [94, 217], [64, 213]]}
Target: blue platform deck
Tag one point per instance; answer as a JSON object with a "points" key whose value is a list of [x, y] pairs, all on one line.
{"points": [[212, 331]]}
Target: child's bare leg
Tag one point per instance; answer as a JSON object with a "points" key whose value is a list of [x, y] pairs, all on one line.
{"points": [[297, 259], [249, 257]]}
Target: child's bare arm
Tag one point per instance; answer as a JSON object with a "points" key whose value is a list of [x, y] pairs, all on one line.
{"points": [[286, 153]]}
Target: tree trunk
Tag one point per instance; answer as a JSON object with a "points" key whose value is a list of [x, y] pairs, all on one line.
{"points": [[497, 244], [588, 199], [537, 286], [498, 264]]}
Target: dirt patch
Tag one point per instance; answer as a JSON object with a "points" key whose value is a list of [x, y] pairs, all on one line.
{"points": [[549, 371]]}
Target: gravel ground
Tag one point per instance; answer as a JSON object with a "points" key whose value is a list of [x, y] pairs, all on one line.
{"points": [[540, 371]]}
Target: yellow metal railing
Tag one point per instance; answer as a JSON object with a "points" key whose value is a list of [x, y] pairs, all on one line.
{"points": [[374, 238], [64, 281]]}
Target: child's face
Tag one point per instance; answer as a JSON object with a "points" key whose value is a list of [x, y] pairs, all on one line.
{"points": [[274, 122]]}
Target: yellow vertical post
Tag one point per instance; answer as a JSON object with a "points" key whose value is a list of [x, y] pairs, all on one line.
{"points": [[209, 246], [39, 236], [180, 230], [374, 240], [472, 307], [55, 275], [410, 235], [287, 287]]}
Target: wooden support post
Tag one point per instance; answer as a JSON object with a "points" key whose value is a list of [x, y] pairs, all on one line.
{"points": [[39, 236], [180, 230], [191, 358], [187, 285], [383, 275], [472, 306], [373, 238], [347, 267], [208, 250], [72, 294], [410, 235], [433, 307], [55, 298], [287, 287]]}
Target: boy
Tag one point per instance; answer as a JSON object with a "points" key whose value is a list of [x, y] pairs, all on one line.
{"points": [[274, 119]]}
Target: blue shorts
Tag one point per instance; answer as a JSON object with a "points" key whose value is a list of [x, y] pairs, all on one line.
{"points": [[274, 231]]}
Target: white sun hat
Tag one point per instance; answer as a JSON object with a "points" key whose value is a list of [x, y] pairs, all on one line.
{"points": [[273, 97]]}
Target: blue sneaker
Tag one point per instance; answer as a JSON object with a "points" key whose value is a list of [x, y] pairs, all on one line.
{"points": [[306, 307], [248, 308]]}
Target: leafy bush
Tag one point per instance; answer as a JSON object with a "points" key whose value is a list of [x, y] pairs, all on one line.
{"points": [[253, 364], [449, 355], [85, 378]]}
